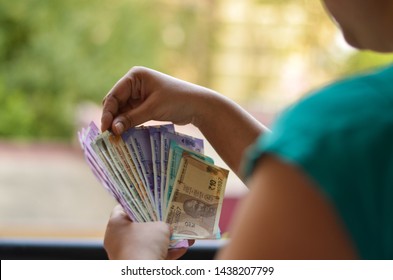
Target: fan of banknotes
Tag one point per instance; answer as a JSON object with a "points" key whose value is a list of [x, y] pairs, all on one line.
{"points": [[158, 174]]}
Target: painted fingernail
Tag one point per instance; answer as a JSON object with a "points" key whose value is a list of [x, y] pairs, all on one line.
{"points": [[119, 127]]}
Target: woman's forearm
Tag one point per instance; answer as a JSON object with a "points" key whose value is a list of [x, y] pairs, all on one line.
{"points": [[229, 128]]}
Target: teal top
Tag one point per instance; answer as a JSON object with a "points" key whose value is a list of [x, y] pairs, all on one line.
{"points": [[342, 138]]}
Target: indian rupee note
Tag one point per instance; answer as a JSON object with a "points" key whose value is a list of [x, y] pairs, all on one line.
{"points": [[86, 137], [102, 150], [127, 138], [120, 152], [119, 168], [183, 140], [176, 153], [140, 139], [195, 205], [155, 142], [124, 198]]}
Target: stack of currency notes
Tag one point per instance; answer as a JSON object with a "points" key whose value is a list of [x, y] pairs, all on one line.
{"points": [[158, 174]]}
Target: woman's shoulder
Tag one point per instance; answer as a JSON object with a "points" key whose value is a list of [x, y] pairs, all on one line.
{"points": [[340, 137]]}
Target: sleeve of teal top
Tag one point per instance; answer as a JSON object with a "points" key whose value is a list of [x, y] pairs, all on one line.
{"points": [[338, 138]]}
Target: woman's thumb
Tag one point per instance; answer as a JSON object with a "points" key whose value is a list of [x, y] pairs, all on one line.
{"points": [[129, 119]]}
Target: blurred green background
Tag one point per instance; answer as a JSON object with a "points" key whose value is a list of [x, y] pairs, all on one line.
{"points": [[57, 54]]}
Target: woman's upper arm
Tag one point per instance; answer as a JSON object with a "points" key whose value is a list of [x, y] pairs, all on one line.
{"points": [[285, 216]]}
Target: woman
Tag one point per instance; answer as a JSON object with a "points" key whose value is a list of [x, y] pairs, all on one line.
{"points": [[321, 184]]}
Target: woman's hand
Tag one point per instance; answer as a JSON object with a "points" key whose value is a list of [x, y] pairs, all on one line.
{"points": [[127, 240], [144, 94]]}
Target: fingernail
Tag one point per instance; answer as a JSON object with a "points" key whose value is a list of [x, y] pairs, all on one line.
{"points": [[119, 127]]}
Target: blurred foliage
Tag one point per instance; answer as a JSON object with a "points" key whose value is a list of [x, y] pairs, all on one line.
{"points": [[56, 54]]}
